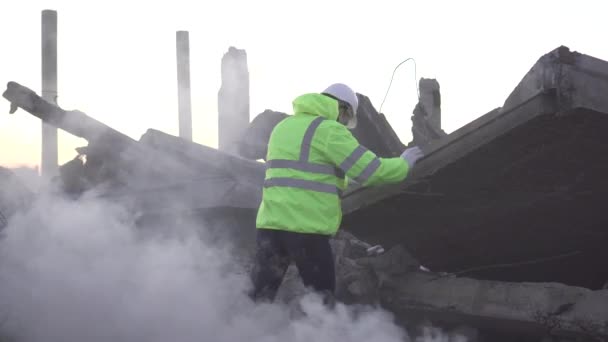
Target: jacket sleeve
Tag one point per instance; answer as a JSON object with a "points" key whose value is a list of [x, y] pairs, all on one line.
{"points": [[359, 163]]}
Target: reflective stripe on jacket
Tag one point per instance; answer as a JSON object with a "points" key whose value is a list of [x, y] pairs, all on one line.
{"points": [[309, 153]]}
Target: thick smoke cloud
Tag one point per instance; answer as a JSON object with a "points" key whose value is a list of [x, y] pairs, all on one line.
{"points": [[81, 271]]}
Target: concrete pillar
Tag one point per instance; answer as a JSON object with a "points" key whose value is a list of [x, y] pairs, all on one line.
{"points": [[49, 90], [427, 114], [233, 100], [183, 85]]}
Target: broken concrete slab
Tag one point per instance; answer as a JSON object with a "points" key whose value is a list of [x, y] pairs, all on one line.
{"points": [[204, 157], [578, 80], [73, 122], [222, 180], [126, 168], [514, 195], [496, 309], [395, 280], [535, 309], [166, 180], [106, 146]]}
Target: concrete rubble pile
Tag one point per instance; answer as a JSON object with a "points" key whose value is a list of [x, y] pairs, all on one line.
{"points": [[501, 227]]}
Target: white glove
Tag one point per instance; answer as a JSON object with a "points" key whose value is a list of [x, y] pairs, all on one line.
{"points": [[411, 155]]}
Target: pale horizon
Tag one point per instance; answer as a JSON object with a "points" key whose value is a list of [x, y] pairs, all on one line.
{"points": [[116, 60]]}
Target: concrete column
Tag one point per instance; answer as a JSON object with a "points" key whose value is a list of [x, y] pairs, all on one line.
{"points": [[233, 100], [49, 90], [183, 85], [427, 114]]}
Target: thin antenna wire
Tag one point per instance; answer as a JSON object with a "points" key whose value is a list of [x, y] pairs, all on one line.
{"points": [[393, 76]]}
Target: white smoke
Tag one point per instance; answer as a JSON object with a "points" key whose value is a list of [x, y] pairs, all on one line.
{"points": [[81, 271]]}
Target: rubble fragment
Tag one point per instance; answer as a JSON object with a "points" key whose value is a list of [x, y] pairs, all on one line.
{"points": [[254, 143], [426, 121], [374, 132]]}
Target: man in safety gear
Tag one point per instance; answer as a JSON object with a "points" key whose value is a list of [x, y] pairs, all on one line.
{"points": [[309, 155]]}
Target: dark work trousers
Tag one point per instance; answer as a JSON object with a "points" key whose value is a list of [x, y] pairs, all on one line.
{"points": [[276, 249]]}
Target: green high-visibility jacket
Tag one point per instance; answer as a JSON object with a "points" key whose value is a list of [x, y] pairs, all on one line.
{"points": [[309, 154]]}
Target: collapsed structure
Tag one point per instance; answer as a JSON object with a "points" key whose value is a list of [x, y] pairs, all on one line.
{"points": [[506, 212]]}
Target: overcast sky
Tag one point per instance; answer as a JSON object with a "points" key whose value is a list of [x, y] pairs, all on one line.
{"points": [[117, 58]]}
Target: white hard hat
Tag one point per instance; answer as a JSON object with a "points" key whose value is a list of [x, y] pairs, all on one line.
{"points": [[345, 93]]}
